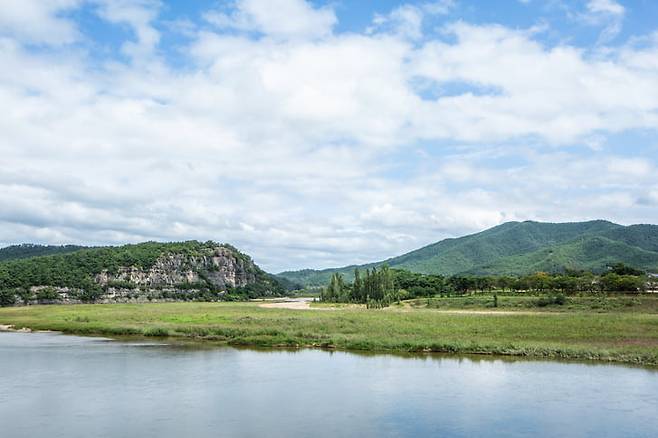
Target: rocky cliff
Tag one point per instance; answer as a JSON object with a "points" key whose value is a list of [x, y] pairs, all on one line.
{"points": [[137, 273], [217, 266]]}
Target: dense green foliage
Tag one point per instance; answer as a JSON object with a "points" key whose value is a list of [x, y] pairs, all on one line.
{"points": [[77, 269], [382, 287], [27, 250], [376, 288], [521, 248], [620, 336]]}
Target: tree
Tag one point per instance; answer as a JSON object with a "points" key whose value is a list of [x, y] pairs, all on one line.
{"points": [[90, 292], [334, 291], [622, 269], [7, 297], [357, 288]]}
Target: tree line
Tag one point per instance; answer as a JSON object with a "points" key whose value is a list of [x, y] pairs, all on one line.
{"points": [[376, 288], [383, 286], [77, 270]]}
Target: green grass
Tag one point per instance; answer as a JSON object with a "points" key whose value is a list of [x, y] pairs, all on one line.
{"points": [[614, 336], [587, 303]]}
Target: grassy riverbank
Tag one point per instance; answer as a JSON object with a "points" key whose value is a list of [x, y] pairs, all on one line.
{"points": [[613, 336], [547, 303]]}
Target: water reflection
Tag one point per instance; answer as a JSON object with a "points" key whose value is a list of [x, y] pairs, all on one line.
{"points": [[53, 385]]}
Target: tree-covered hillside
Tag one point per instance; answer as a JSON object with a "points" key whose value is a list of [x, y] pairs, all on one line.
{"points": [[520, 248], [80, 269], [27, 250]]}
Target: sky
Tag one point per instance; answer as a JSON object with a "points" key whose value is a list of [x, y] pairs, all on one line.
{"points": [[314, 134]]}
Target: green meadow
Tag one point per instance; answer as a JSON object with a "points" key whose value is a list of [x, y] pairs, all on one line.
{"points": [[578, 332]]}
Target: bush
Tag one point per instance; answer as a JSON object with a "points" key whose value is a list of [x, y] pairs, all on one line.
{"points": [[558, 300], [48, 294], [90, 291], [7, 298]]}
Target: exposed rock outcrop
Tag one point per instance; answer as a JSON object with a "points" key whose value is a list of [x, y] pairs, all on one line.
{"points": [[150, 271], [221, 267]]}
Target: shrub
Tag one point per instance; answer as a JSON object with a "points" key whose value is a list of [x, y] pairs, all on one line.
{"points": [[7, 298], [558, 299], [48, 294]]}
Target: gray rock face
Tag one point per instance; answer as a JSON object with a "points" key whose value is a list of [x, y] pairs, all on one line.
{"points": [[220, 267], [193, 272]]}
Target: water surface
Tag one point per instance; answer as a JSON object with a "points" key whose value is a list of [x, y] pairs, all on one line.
{"points": [[64, 386]]}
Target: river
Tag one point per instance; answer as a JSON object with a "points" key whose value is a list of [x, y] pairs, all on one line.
{"points": [[53, 385]]}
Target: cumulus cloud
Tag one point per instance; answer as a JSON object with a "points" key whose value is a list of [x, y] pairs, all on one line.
{"points": [[547, 92], [39, 21], [138, 15], [606, 13], [276, 18], [309, 147], [407, 20]]}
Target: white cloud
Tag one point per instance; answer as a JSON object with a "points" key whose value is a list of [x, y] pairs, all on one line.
{"points": [[138, 15], [610, 7], [439, 7], [39, 21], [559, 94], [313, 148], [607, 13], [276, 18], [407, 20]]}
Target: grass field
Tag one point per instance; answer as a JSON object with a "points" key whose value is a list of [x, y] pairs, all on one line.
{"points": [[585, 303], [630, 337]]}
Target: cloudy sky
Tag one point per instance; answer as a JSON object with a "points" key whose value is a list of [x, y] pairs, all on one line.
{"points": [[327, 132]]}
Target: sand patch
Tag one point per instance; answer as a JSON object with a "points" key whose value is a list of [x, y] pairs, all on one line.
{"points": [[290, 303], [11, 328]]}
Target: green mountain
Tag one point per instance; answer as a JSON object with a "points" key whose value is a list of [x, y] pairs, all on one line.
{"points": [[518, 248], [151, 270], [27, 250]]}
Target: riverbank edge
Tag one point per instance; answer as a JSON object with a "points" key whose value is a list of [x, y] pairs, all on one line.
{"points": [[456, 348]]}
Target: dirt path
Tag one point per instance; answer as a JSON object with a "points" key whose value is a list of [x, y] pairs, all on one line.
{"points": [[289, 303]]}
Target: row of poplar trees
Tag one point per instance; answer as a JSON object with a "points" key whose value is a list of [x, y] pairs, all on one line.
{"points": [[376, 286]]}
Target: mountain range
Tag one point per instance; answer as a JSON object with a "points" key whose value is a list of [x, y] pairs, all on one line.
{"points": [[519, 248], [513, 248]]}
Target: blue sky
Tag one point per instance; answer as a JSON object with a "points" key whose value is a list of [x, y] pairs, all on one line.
{"points": [[323, 133]]}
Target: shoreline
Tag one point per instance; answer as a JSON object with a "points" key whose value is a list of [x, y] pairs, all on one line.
{"points": [[603, 338], [10, 328], [197, 342], [449, 350], [204, 344]]}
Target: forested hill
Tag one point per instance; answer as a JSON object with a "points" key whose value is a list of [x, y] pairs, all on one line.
{"points": [[151, 270], [519, 248], [27, 250]]}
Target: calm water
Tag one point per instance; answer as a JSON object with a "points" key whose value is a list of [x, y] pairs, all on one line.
{"points": [[62, 386]]}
